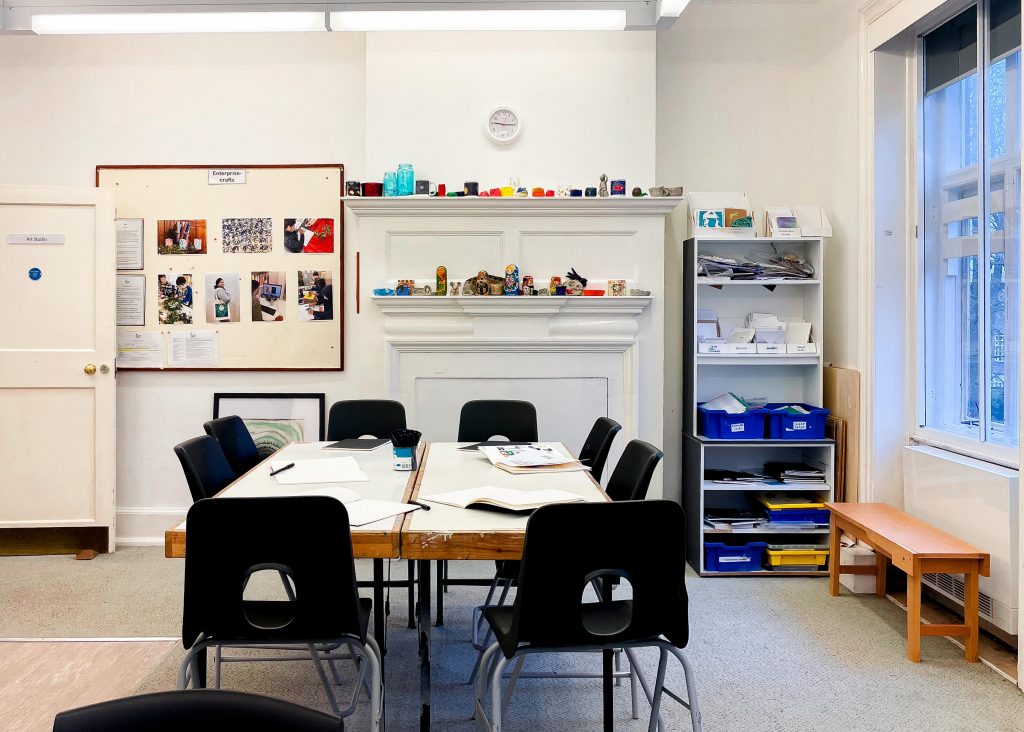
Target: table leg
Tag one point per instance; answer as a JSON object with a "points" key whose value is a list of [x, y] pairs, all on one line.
{"points": [[412, 593], [914, 616], [423, 633], [379, 611], [439, 621], [606, 667], [833, 557], [971, 615], [881, 568]]}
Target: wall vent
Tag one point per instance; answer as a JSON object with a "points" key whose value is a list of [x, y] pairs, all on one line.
{"points": [[952, 586]]}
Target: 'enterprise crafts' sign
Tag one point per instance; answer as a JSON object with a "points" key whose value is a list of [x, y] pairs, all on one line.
{"points": [[222, 176]]}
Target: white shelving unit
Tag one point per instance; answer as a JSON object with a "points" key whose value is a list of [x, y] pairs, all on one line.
{"points": [[777, 377]]}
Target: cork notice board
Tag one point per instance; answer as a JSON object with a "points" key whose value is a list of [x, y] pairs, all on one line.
{"points": [[241, 266]]}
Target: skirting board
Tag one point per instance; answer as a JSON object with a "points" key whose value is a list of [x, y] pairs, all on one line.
{"points": [[145, 526]]}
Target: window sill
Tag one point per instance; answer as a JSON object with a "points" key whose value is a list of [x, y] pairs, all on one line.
{"points": [[1007, 457]]}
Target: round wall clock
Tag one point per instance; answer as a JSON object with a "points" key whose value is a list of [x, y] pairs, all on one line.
{"points": [[503, 125]]}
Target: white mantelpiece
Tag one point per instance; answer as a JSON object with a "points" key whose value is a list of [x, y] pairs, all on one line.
{"points": [[576, 358]]}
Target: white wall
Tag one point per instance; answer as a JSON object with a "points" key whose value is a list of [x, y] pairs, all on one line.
{"points": [[70, 103], [586, 101], [762, 97]]}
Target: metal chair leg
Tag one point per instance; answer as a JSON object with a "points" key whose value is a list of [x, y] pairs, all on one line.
{"points": [[479, 713], [691, 689], [516, 670], [318, 662], [659, 686], [634, 709], [496, 674], [643, 683]]}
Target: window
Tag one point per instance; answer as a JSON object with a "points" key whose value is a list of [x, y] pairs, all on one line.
{"points": [[971, 170]]}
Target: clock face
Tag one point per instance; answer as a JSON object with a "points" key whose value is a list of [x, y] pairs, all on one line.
{"points": [[503, 125]]}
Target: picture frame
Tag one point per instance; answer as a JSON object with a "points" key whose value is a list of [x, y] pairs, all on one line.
{"points": [[275, 419]]}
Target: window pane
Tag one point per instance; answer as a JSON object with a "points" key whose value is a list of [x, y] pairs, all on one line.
{"points": [[952, 279], [1003, 101]]}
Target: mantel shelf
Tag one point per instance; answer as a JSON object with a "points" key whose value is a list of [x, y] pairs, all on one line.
{"points": [[511, 206], [501, 305]]}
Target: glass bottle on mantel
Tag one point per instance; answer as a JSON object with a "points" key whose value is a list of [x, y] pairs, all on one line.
{"points": [[390, 183], [406, 180]]}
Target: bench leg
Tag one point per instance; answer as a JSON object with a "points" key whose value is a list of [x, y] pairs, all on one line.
{"points": [[971, 616], [881, 567], [914, 617], [833, 558]]}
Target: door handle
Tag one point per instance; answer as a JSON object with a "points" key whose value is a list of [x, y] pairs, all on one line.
{"points": [[90, 368]]}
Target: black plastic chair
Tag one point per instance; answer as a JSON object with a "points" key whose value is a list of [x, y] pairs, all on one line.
{"points": [[632, 475], [598, 444], [354, 418], [629, 482], [567, 547], [173, 711], [483, 419], [311, 545], [207, 469], [236, 442]]}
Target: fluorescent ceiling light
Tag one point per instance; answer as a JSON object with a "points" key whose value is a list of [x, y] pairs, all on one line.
{"points": [[673, 8], [244, 22], [427, 20]]}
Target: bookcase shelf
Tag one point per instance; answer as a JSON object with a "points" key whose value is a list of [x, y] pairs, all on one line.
{"points": [[777, 378]]}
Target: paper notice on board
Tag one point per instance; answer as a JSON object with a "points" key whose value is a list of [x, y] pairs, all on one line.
{"points": [[129, 243], [131, 299], [196, 349], [140, 350]]}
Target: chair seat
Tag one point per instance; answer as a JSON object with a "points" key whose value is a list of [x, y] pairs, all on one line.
{"points": [[604, 619], [276, 613]]}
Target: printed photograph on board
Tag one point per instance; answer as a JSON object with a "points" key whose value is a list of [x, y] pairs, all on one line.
{"points": [[181, 236], [174, 298], [268, 297], [316, 294], [247, 236], [270, 435], [309, 236], [221, 295]]}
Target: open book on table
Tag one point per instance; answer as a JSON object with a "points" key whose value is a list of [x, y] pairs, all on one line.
{"points": [[535, 458], [508, 499]]}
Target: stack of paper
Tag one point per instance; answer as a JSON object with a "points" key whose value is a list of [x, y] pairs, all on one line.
{"points": [[508, 499], [728, 403], [536, 458]]}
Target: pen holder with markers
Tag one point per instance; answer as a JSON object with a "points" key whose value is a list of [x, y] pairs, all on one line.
{"points": [[403, 446]]}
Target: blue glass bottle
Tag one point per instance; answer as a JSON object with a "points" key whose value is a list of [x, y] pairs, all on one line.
{"points": [[390, 183], [406, 180]]}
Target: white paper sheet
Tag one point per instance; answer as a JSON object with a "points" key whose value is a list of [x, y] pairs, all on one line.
{"points": [[192, 349], [509, 496], [129, 243], [369, 510], [327, 470], [140, 350], [345, 495], [131, 299]]}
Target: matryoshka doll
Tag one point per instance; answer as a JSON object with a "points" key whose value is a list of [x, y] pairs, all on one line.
{"points": [[512, 280], [442, 281]]}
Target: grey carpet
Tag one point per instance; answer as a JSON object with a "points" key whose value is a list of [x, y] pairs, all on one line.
{"points": [[770, 655]]}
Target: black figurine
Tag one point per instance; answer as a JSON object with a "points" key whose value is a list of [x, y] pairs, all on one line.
{"points": [[572, 275]]}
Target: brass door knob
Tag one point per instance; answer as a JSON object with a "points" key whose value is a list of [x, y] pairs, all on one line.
{"points": [[90, 368]]}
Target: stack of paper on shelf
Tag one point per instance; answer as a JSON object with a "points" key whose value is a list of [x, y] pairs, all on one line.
{"points": [[795, 473]]}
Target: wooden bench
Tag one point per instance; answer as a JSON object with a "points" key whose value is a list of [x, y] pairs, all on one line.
{"points": [[915, 547]]}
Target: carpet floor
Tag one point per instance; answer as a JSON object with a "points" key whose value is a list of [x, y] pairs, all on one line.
{"points": [[770, 654]]}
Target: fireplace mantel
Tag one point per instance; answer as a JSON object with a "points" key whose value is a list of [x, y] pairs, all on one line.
{"points": [[575, 358]]}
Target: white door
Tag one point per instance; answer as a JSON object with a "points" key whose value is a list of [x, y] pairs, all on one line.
{"points": [[57, 348]]}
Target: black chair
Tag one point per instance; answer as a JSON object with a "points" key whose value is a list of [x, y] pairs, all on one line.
{"points": [[632, 475], [483, 419], [354, 418], [173, 711], [206, 467], [235, 441], [567, 547], [598, 444], [629, 482], [312, 546]]}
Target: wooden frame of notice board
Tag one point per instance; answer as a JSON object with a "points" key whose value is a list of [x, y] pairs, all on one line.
{"points": [[201, 224]]}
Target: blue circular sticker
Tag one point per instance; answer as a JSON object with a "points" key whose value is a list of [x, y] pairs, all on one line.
{"points": [[35, 273]]}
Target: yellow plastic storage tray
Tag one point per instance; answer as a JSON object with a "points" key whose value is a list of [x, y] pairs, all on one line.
{"points": [[778, 501], [797, 557]]}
